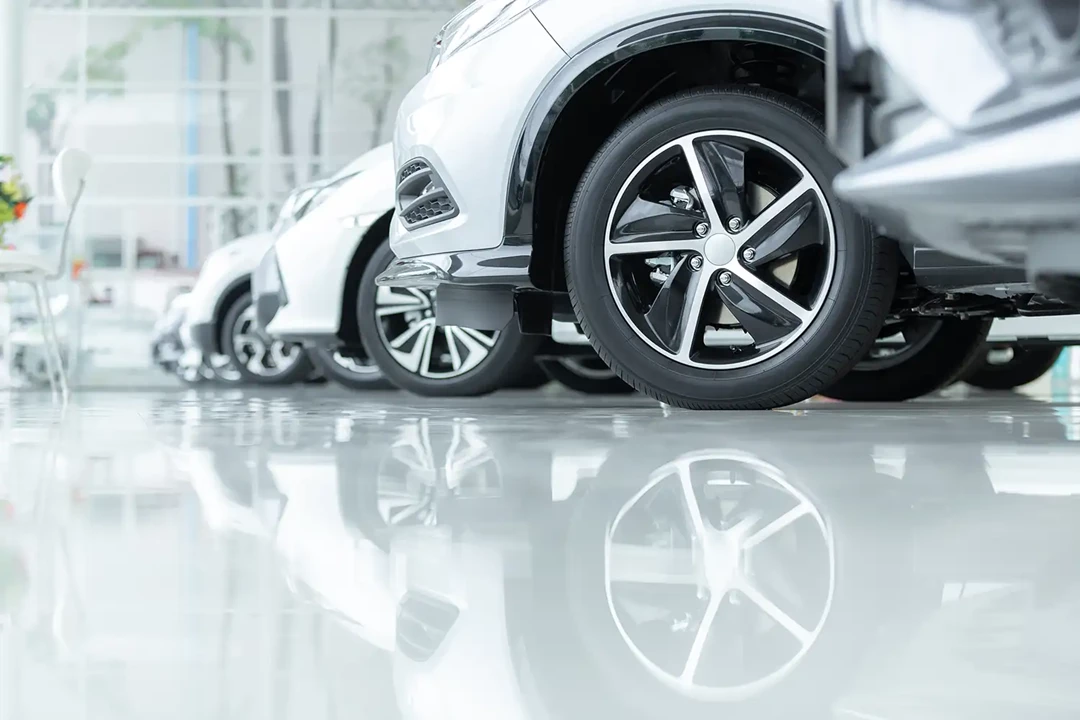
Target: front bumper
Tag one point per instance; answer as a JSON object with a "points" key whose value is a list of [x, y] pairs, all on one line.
{"points": [[475, 289], [267, 290], [460, 127], [202, 337], [166, 350]]}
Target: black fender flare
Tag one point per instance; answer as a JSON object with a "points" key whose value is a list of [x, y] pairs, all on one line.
{"points": [[618, 47]]}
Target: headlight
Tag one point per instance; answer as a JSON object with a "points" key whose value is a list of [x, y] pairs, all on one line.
{"points": [[292, 207], [474, 23]]}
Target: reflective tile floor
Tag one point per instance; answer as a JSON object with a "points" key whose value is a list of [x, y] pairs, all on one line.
{"points": [[315, 555]]}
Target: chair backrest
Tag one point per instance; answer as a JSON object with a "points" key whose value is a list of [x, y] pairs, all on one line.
{"points": [[69, 172]]}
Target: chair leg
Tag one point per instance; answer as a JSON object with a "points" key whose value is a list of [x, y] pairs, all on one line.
{"points": [[57, 350], [44, 314], [7, 348]]}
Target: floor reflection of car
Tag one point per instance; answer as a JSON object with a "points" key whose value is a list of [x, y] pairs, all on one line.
{"points": [[326, 557], [658, 567], [754, 579]]}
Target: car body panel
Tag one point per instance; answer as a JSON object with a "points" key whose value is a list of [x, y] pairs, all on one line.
{"points": [[221, 271], [662, 30], [575, 25], [314, 255], [465, 118]]}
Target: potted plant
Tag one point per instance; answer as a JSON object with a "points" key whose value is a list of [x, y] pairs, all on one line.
{"points": [[14, 196]]}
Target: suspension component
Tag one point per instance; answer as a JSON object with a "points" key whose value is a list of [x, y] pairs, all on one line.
{"points": [[682, 198]]}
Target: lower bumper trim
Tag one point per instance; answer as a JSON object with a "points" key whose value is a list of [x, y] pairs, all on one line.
{"points": [[412, 273], [203, 338], [266, 309]]}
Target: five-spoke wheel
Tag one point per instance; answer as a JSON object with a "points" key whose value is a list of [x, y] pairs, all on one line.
{"points": [[707, 228]]}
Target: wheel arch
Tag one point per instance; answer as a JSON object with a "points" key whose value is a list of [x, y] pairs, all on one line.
{"points": [[377, 232], [604, 84], [234, 292]]}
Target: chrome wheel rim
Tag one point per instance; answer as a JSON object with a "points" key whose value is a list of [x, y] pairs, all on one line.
{"points": [[899, 342], [407, 329], [720, 249], [716, 537], [261, 358]]}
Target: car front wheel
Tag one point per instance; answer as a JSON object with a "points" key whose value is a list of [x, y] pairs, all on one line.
{"points": [[401, 334], [710, 263], [255, 358]]}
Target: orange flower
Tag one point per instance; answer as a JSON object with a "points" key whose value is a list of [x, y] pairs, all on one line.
{"points": [[20, 210]]}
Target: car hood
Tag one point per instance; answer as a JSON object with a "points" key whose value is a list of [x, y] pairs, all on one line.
{"points": [[382, 155]]}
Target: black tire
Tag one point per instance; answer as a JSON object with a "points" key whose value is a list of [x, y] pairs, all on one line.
{"points": [[533, 379], [854, 307], [941, 361], [323, 359], [596, 380], [1027, 365], [298, 372], [509, 359]]}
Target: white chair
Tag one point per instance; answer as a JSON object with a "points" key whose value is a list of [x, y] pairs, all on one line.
{"points": [[69, 178]]}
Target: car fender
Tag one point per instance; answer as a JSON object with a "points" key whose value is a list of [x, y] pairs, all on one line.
{"points": [[644, 26], [314, 256]]}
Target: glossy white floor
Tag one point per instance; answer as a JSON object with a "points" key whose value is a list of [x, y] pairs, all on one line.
{"points": [[310, 554]]}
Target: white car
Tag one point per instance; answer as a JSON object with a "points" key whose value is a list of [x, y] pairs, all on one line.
{"points": [[317, 287], [218, 328], [658, 172], [221, 315]]}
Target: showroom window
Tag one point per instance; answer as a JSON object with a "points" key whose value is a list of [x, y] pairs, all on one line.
{"points": [[202, 114]]}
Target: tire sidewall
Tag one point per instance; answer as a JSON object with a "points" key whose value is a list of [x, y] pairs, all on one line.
{"points": [[323, 359], [946, 358], [1026, 366], [669, 121]]}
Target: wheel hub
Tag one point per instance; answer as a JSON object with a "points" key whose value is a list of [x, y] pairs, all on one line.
{"points": [[662, 255], [720, 249]]}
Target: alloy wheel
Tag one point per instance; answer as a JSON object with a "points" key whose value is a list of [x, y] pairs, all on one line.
{"points": [[408, 329], [720, 249], [719, 575], [262, 358]]}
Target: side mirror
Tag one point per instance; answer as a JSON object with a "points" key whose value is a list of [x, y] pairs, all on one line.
{"points": [[68, 173]]}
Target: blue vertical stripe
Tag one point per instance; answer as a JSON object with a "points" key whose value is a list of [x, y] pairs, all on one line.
{"points": [[191, 141]]}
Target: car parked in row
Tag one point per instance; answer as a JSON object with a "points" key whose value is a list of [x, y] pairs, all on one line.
{"points": [[658, 173], [316, 287]]}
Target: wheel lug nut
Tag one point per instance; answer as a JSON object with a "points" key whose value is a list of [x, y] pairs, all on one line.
{"points": [[701, 229], [725, 278], [734, 224], [748, 254], [696, 262]]}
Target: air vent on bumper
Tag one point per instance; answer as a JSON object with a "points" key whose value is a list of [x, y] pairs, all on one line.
{"points": [[422, 197], [423, 622]]}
